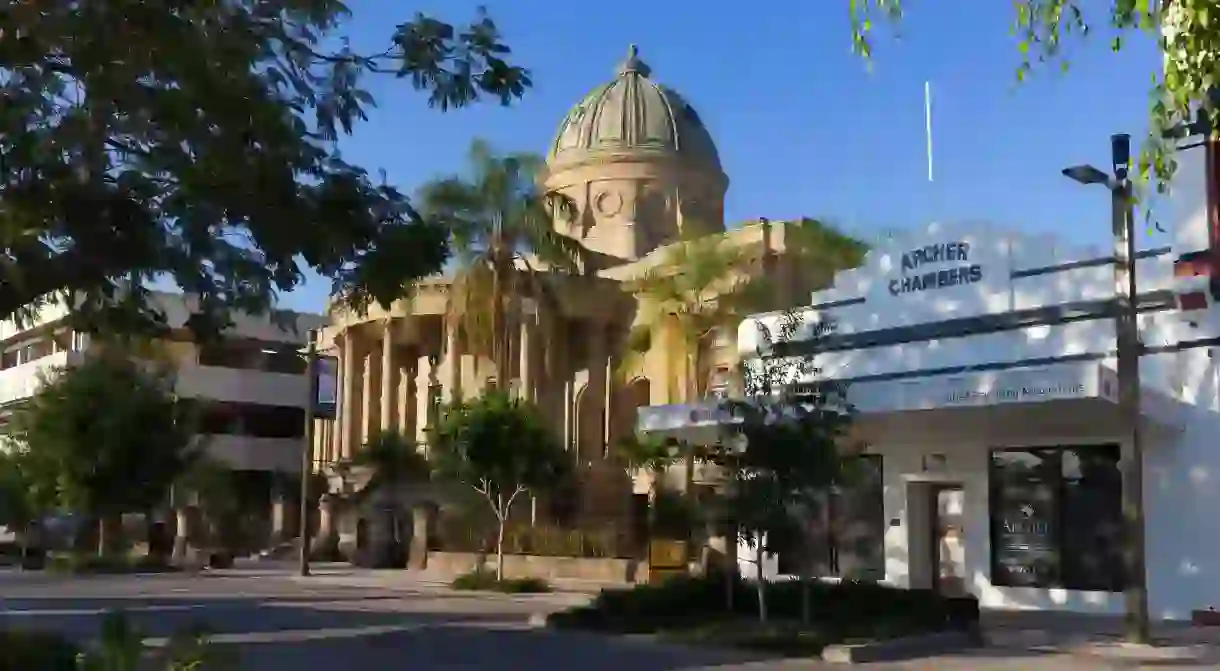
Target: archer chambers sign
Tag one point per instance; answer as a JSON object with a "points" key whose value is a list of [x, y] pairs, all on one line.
{"points": [[936, 266]]}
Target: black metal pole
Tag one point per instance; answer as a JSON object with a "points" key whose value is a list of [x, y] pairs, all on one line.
{"points": [[1135, 591], [311, 372]]}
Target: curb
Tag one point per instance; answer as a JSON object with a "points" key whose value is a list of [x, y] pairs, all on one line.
{"points": [[900, 648]]}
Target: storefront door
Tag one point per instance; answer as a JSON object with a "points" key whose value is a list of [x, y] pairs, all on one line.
{"points": [[948, 543]]}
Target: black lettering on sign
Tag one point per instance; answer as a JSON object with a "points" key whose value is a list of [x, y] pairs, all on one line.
{"points": [[915, 278]]}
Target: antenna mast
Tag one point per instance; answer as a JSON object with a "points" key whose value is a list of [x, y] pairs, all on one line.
{"points": [[927, 112]]}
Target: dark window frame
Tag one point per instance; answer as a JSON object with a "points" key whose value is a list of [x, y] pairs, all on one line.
{"points": [[1069, 573]]}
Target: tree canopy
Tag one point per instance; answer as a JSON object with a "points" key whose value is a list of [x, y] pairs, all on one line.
{"points": [[105, 436], [1186, 31], [197, 142], [499, 446], [501, 223]]}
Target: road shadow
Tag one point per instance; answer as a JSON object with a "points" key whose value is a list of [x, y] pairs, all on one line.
{"points": [[450, 646]]}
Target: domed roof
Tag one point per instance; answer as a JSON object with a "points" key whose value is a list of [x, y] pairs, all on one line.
{"points": [[633, 113]]}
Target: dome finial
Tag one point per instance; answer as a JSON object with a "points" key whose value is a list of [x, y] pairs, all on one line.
{"points": [[633, 64]]}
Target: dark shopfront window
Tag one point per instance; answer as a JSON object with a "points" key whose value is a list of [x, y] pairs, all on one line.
{"points": [[1056, 518], [846, 539]]}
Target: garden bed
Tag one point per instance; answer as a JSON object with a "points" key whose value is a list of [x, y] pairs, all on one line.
{"points": [[89, 564], [485, 581], [694, 611]]}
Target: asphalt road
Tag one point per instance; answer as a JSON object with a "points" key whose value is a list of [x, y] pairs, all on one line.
{"points": [[273, 621]]}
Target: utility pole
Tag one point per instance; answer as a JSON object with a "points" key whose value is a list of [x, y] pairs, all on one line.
{"points": [[1130, 349], [311, 372]]}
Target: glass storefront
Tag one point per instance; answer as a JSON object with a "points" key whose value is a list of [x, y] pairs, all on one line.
{"points": [[1056, 517]]}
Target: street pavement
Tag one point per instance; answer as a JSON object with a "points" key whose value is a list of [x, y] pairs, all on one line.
{"points": [[342, 619]]}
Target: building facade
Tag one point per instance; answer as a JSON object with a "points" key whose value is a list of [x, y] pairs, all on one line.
{"points": [[982, 365], [251, 383], [643, 172]]}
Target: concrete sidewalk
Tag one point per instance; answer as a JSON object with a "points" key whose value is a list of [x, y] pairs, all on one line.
{"points": [[1089, 638]]}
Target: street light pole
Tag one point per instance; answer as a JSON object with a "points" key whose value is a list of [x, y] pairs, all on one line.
{"points": [[1130, 348], [311, 372], [1129, 351]]}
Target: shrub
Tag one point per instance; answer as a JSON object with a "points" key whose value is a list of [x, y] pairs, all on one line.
{"points": [[36, 651], [485, 581], [846, 608]]}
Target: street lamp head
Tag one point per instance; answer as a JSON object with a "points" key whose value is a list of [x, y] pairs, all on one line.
{"points": [[1120, 151], [1086, 174]]}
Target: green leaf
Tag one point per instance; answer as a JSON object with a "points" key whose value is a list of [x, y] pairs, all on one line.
{"points": [[196, 143]]}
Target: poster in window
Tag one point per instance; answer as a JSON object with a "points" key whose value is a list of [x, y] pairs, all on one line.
{"points": [[1024, 532]]}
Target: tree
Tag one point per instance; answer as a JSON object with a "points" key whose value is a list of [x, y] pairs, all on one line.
{"points": [[500, 447], [393, 459], [782, 452], [18, 505], [106, 436], [213, 483], [641, 452], [503, 233], [820, 250], [1185, 30], [198, 142], [700, 287]]}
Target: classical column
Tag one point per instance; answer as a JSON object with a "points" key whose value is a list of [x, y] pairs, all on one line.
{"points": [[425, 378], [526, 362], [610, 433], [452, 384], [598, 386], [347, 383], [406, 393], [388, 370], [368, 365]]}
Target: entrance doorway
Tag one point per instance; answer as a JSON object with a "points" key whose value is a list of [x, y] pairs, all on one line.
{"points": [[946, 509]]}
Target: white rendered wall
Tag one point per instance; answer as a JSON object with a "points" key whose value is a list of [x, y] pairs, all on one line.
{"points": [[1182, 494]]}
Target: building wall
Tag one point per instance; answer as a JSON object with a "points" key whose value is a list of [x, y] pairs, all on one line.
{"points": [[1035, 312], [253, 373]]}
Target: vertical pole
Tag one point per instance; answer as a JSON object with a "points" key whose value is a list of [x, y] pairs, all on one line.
{"points": [[311, 372], [1129, 352]]}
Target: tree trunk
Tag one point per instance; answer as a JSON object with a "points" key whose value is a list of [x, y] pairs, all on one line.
{"points": [[761, 582], [497, 314], [103, 538], [500, 551], [806, 597]]}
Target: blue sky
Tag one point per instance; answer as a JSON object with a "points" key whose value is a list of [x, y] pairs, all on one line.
{"points": [[803, 127]]}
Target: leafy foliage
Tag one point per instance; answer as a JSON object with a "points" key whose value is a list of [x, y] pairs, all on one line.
{"points": [[393, 459], [197, 142], [700, 286], [501, 227], [820, 250], [1186, 30], [122, 648], [843, 610], [500, 447], [105, 436], [643, 452], [483, 580], [17, 509], [783, 450]]}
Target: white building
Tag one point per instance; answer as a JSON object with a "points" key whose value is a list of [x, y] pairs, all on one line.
{"points": [[252, 381], [982, 363]]}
